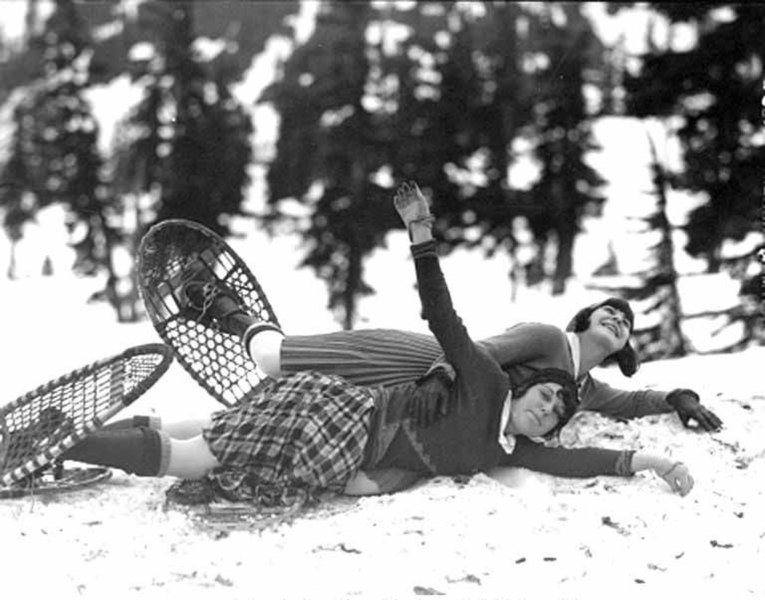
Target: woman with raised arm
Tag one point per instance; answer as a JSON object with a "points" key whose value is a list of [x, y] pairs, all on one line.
{"points": [[315, 431]]}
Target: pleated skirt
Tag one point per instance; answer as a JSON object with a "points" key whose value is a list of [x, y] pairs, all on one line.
{"points": [[383, 357]]}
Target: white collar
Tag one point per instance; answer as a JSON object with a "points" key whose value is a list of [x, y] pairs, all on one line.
{"points": [[506, 440], [576, 352]]}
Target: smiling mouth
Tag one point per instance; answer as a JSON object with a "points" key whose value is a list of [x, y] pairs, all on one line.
{"points": [[613, 328]]}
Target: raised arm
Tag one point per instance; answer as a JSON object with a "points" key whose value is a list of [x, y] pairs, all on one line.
{"points": [[436, 301]]}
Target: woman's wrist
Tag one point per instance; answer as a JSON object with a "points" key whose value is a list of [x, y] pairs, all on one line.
{"points": [[642, 461], [421, 230]]}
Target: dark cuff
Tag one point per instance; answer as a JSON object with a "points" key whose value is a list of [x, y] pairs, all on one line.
{"points": [[424, 249], [675, 395], [623, 467]]}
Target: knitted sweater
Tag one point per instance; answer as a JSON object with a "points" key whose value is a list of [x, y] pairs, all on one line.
{"points": [[528, 347], [465, 440]]}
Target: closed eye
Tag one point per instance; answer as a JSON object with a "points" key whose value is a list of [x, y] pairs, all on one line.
{"points": [[556, 397]]}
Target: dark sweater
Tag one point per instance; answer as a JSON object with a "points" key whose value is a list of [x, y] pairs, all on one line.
{"points": [[465, 440]]}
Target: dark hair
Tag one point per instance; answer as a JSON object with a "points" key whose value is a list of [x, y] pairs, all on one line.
{"points": [[568, 392], [626, 358]]}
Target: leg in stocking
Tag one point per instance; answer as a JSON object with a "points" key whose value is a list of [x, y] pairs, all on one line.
{"points": [[263, 342], [139, 450], [190, 459]]}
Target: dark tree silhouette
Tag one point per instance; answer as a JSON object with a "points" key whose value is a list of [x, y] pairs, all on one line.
{"points": [[713, 91], [715, 88], [330, 145], [442, 105], [568, 186], [55, 156], [187, 141]]}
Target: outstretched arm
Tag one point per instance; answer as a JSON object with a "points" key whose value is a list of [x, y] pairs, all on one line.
{"points": [[601, 397], [591, 462]]}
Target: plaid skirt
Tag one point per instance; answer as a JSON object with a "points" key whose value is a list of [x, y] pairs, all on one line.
{"points": [[304, 431]]}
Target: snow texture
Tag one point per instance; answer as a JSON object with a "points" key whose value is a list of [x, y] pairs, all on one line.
{"points": [[516, 534]]}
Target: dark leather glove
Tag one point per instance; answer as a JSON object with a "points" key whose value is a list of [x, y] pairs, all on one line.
{"points": [[430, 399], [686, 403]]}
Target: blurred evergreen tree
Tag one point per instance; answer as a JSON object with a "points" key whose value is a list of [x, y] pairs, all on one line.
{"points": [[565, 54], [187, 141], [480, 102], [247, 25], [56, 155], [711, 94], [655, 288], [18, 208], [329, 148], [435, 92], [17, 204]]}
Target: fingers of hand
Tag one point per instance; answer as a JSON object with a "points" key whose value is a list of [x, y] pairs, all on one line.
{"points": [[406, 192], [444, 405], [683, 484], [427, 413], [680, 480], [710, 420], [423, 412], [704, 419], [419, 411], [400, 200]]}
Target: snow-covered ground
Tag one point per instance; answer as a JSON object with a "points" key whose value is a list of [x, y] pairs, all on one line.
{"points": [[520, 535], [517, 535]]}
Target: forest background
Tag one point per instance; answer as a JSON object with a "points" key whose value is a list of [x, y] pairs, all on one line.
{"points": [[491, 107]]}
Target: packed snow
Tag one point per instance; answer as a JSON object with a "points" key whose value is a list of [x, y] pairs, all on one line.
{"points": [[516, 534]]}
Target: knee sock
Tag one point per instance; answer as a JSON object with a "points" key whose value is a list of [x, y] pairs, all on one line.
{"points": [[134, 421], [138, 450], [263, 343]]}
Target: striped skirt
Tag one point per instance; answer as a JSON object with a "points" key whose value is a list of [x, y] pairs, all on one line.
{"points": [[303, 431], [383, 357]]}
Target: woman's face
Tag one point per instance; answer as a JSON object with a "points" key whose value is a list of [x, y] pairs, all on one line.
{"points": [[538, 411], [610, 326]]}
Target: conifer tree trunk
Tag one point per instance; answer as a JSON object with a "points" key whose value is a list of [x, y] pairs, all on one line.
{"points": [[672, 329], [11, 272]]}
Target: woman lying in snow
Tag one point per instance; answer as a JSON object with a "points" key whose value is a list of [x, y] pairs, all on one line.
{"points": [[597, 335], [315, 431]]}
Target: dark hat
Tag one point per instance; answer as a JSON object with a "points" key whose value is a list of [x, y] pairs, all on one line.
{"points": [[568, 392], [626, 358]]}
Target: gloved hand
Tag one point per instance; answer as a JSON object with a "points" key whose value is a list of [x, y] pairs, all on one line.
{"points": [[430, 399], [411, 205], [679, 478], [686, 403]]}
